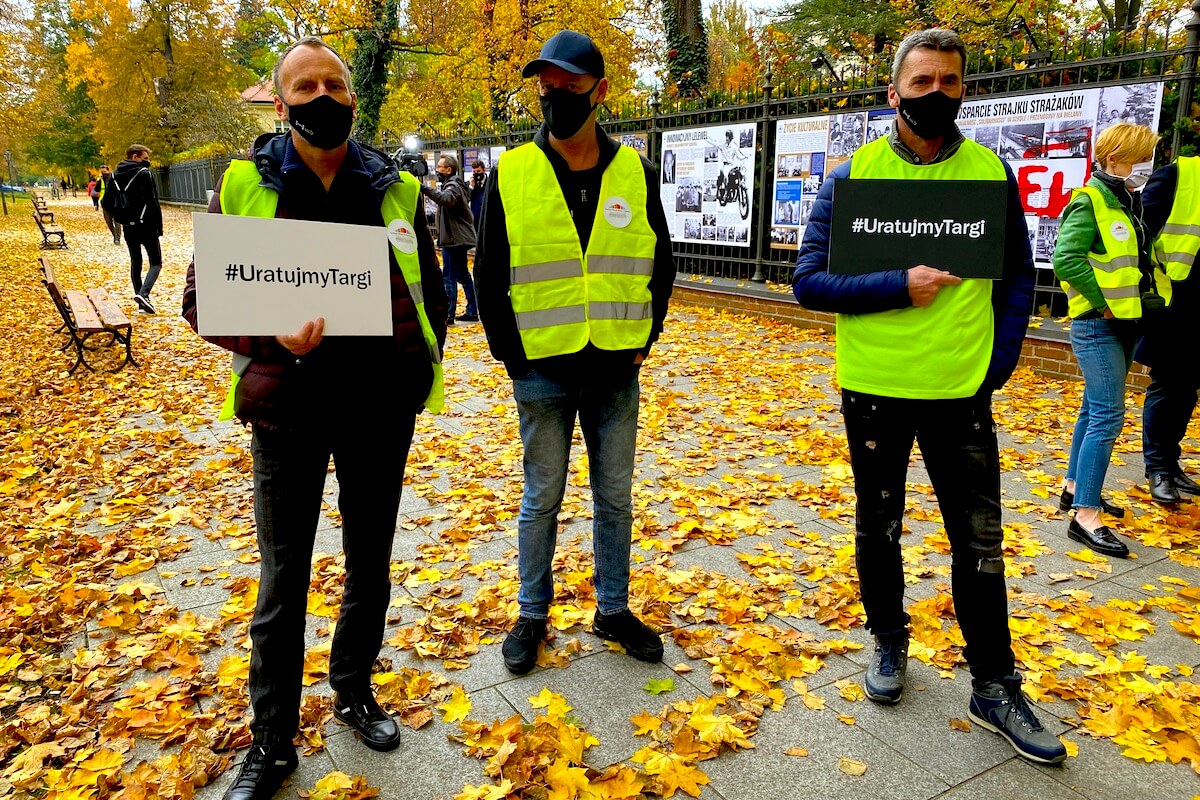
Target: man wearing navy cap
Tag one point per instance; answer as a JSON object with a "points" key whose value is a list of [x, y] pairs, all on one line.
{"points": [[573, 274]]}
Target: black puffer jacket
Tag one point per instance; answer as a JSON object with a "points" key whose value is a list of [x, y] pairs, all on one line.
{"points": [[343, 374]]}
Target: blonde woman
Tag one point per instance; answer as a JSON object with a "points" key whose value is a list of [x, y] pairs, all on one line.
{"points": [[1103, 260]]}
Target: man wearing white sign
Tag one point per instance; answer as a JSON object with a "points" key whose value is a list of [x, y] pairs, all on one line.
{"points": [[308, 397], [574, 273], [919, 353]]}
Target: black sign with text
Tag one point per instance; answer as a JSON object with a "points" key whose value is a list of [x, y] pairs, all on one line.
{"points": [[957, 226]]}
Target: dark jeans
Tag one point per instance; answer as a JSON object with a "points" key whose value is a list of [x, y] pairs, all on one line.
{"points": [[114, 227], [1170, 401], [454, 272], [135, 240], [289, 478], [958, 442]]}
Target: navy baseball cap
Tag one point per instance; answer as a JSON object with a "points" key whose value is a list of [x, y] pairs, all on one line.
{"points": [[571, 51]]}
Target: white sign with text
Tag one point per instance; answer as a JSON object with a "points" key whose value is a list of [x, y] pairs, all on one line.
{"points": [[267, 277]]}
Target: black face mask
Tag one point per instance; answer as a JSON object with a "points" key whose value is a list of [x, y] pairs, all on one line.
{"points": [[442, 177], [323, 122], [565, 112], [930, 115]]}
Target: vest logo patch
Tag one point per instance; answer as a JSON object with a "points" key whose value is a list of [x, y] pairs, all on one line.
{"points": [[1119, 231], [402, 235], [617, 212]]}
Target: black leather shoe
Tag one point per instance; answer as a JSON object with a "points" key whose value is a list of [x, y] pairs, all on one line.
{"points": [[1163, 489], [520, 647], [634, 635], [263, 772], [375, 728], [1185, 485], [1102, 540], [1067, 499]]}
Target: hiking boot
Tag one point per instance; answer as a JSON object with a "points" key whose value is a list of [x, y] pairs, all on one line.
{"points": [[144, 303], [1001, 707], [374, 726], [885, 673], [263, 772], [633, 634], [520, 647]]}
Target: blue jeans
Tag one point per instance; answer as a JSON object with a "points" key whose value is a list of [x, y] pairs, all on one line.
{"points": [[454, 272], [1104, 350], [607, 412]]}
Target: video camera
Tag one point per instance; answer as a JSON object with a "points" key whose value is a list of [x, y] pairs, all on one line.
{"points": [[411, 159]]}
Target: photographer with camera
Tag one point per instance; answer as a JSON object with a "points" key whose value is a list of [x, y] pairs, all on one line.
{"points": [[456, 234], [478, 183], [1112, 282]]}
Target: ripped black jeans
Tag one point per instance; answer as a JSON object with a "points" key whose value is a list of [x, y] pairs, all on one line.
{"points": [[958, 442]]}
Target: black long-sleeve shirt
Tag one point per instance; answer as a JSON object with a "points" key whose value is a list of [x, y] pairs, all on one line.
{"points": [[581, 190]]}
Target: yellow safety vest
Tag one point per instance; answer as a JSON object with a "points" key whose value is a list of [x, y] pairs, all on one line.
{"points": [[562, 297], [1116, 270], [1179, 241], [242, 195], [935, 352]]}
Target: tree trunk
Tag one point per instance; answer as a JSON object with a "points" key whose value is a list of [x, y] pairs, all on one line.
{"points": [[687, 46], [370, 69]]}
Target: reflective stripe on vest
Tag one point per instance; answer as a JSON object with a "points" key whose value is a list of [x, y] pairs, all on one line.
{"points": [[1179, 242], [939, 351], [243, 195], [563, 298], [1117, 270]]}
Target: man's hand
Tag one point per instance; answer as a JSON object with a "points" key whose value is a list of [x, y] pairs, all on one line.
{"points": [[925, 282], [304, 340], [638, 358], [1108, 314]]}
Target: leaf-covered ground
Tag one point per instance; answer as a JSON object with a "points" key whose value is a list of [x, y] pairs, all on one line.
{"points": [[129, 577]]}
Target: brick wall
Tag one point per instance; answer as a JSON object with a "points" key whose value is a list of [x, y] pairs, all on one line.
{"points": [[1046, 356]]}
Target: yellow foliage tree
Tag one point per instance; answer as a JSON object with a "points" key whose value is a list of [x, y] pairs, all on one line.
{"points": [[158, 75]]}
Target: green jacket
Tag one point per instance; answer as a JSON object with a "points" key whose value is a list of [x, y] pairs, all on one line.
{"points": [[1078, 235]]}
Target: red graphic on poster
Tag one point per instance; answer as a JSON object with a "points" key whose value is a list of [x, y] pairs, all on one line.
{"points": [[1046, 185]]}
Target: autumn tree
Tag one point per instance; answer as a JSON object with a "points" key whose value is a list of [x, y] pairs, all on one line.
{"points": [[735, 61], [158, 74]]}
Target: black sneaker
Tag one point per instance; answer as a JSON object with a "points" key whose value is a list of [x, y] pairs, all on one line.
{"points": [[520, 647], [374, 726], [144, 303], [263, 772], [1067, 499], [633, 634], [885, 673], [469, 318], [1001, 707], [1102, 540]]}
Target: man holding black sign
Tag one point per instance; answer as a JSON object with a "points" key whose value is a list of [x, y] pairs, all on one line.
{"points": [[919, 352], [308, 396]]}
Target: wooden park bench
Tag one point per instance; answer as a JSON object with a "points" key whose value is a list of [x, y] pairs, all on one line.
{"points": [[92, 322], [50, 233], [42, 210]]}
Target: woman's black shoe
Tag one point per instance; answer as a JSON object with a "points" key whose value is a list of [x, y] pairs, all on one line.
{"points": [[1102, 540], [1067, 499]]}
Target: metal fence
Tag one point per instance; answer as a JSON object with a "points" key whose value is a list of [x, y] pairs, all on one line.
{"points": [[1098, 58]]}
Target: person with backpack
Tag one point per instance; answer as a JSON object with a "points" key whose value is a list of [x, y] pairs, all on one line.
{"points": [[93, 190], [132, 201]]}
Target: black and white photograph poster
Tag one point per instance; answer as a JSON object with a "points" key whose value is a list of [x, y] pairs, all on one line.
{"points": [[707, 182]]}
